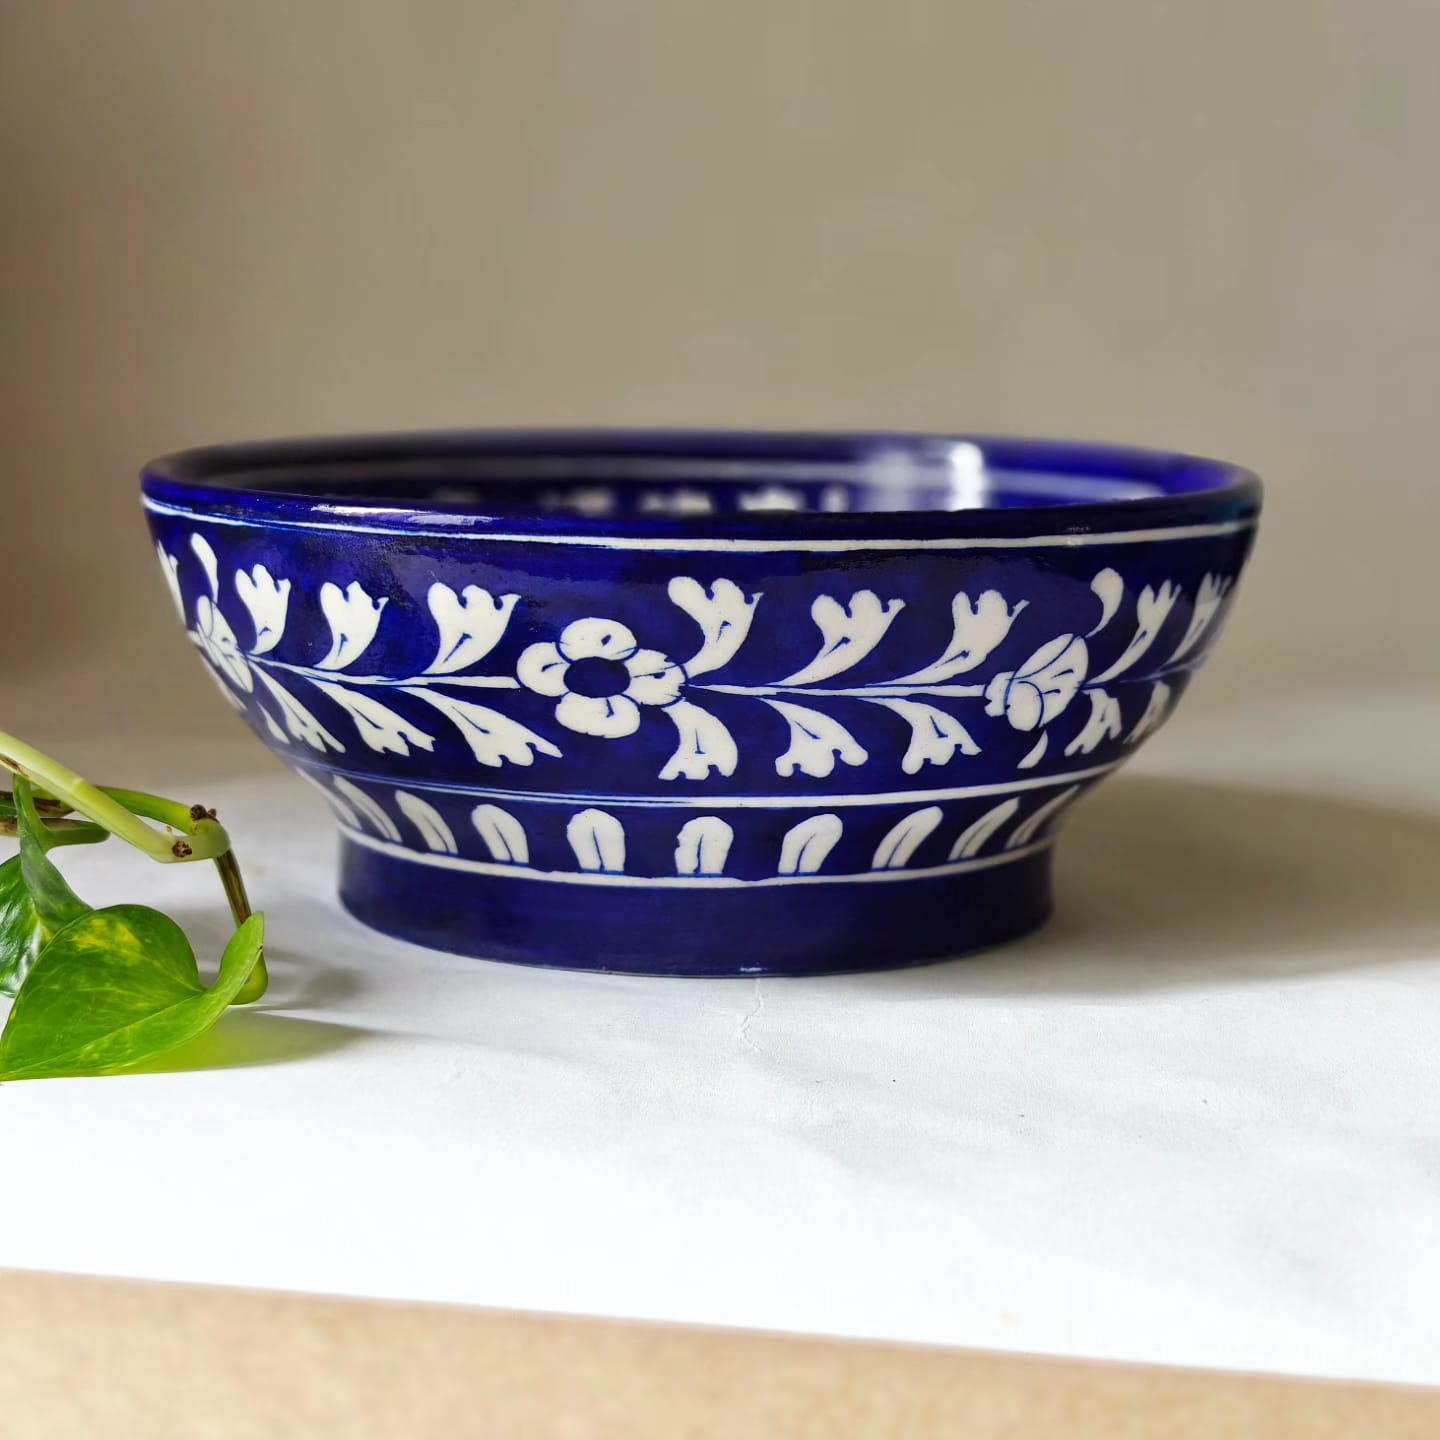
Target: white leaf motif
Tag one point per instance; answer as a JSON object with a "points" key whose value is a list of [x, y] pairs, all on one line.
{"points": [[979, 628], [1036, 753], [1151, 611], [370, 808], [816, 742], [298, 720], [342, 809], [470, 625], [973, 837], [806, 845], [902, 841], [1042, 687], [220, 646], [598, 840], [267, 600], [377, 725], [847, 633], [1155, 712], [170, 564], [354, 618], [436, 834], [503, 834], [1109, 589], [272, 725], [705, 744], [206, 555], [703, 846], [1029, 828], [935, 736], [723, 614], [1211, 596], [1103, 724], [493, 738]]}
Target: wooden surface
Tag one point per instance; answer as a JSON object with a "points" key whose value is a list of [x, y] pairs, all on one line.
{"points": [[96, 1358]]}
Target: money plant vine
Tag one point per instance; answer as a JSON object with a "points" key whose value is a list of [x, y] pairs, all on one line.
{"points": [[103, 990]]}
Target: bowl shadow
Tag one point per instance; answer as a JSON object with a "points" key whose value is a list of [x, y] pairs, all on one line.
{"points": [[1165, 884]]}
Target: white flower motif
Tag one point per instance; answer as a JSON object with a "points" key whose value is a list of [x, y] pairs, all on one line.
{"points": [[267, 600], [218, 641], [354, 618], [470, 625], [600, 676], [1042, 687]]}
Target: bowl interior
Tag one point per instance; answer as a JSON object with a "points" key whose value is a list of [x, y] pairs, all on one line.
{"points": [[698, 473]]}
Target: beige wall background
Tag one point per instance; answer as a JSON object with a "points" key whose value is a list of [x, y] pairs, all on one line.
{"points": [[1212, 225]]}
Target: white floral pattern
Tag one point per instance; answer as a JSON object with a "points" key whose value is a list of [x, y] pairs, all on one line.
{"points": [[603, 681], [600, 676]]}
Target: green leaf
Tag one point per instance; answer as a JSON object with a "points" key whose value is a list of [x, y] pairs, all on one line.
{"points": [[56, 904], [114, 988], [21, 938]]}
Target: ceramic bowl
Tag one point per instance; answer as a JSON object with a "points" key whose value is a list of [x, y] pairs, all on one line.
{"points": [[703, 704]]}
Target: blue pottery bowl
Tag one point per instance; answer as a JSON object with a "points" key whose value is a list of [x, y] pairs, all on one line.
{"points": [[701, 704]]}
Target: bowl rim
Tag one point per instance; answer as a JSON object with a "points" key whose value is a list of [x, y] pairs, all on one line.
{"points": [[1194, 491]]}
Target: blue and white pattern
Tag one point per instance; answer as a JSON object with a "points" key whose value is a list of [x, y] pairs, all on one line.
{"points": [[1077, 693], [750, 708]]}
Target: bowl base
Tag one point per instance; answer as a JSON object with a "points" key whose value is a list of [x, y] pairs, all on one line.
{"points": [[800, 929]]}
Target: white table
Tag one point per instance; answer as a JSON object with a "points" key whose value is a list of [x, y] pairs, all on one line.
{"points": [[1196, 1121]]}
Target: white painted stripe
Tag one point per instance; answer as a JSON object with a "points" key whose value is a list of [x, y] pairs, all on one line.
{"points": [[728, 546], [677, 882], [737, 802]]}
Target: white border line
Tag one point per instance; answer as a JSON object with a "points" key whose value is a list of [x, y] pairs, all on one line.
{"points": [[437, 861], [724, 546], [721, 802]]}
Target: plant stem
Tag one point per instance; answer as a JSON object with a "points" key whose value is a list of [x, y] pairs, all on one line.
{"points": [[194, 833], [202, 839], [234, 883]]}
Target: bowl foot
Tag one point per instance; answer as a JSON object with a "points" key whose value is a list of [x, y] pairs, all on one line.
{"points": [[806, 928]]}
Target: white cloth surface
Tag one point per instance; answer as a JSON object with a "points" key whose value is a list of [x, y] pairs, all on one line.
{"points": [[1195, 1121]]}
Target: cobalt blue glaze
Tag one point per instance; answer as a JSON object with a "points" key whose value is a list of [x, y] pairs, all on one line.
{"points": [[700, 703]]}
